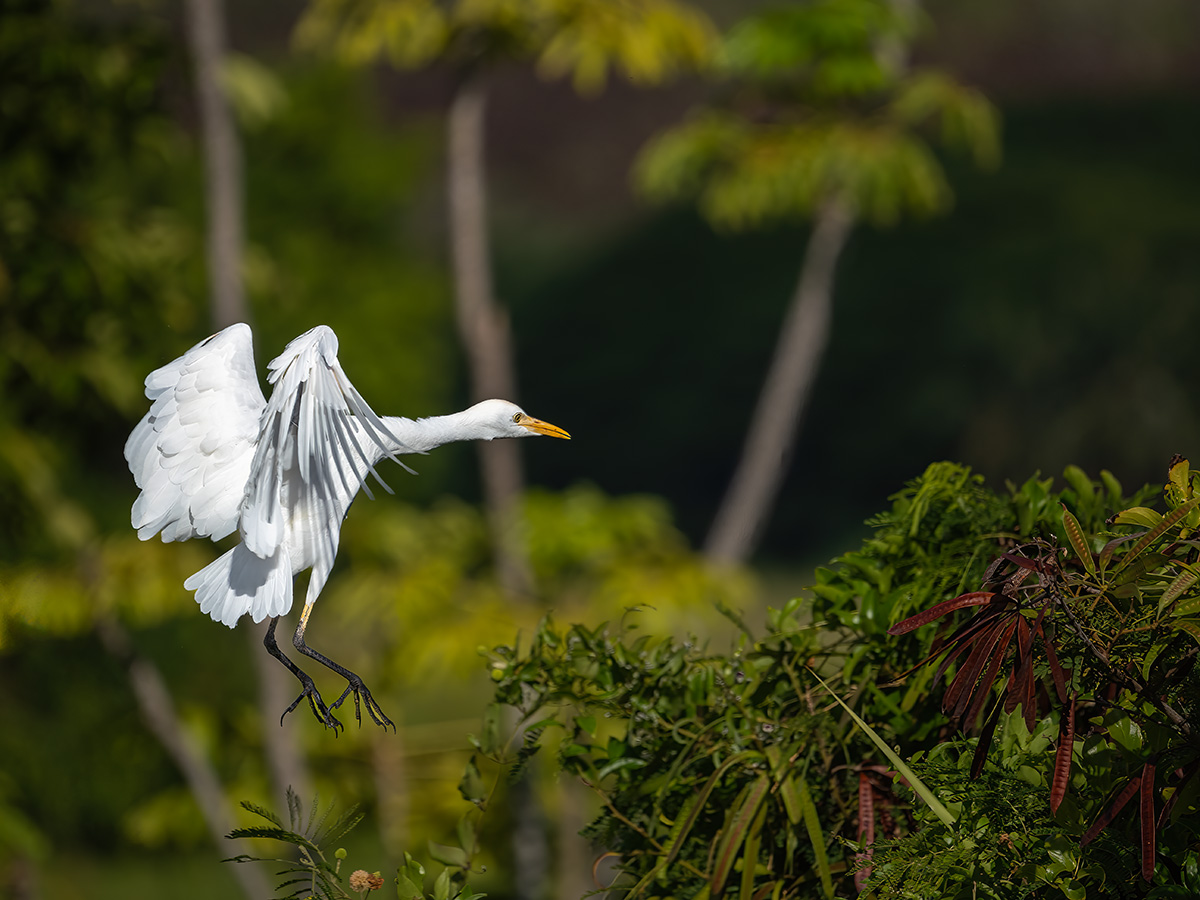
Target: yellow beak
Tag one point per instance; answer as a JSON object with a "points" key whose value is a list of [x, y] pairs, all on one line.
{"points": [[539, 427]]}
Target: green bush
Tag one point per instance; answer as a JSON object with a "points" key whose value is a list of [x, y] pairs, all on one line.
{"points": [[736, 774]]}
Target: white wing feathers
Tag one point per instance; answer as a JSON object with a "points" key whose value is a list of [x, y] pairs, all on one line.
{"points": [[192, 451], [309, 459]]}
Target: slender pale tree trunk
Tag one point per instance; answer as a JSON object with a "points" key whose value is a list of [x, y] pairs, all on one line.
{"points": [[158, 712], [771, 438], [225, 208], [483, 325], [484, 331], [748, 501], [222, 162]]}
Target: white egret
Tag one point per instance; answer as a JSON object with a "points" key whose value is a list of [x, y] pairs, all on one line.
{"points": [[213, 456]]}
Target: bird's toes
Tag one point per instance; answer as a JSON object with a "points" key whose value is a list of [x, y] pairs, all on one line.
{"points": [[320, 711], [362, 697]]}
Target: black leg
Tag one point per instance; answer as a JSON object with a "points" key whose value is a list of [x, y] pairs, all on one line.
{"points": [[310, 692], [354, 684]]}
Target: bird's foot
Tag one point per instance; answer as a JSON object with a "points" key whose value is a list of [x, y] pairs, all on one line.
{"points": [[356, 687], [323, 713]]}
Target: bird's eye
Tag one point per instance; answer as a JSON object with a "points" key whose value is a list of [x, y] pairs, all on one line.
{"points": [[516, 417]]}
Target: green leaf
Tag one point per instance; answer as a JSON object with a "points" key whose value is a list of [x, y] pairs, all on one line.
{"points": [[441, 886], [1078, 542], [1140, 516], [812, 824], [791, 799], [741, 819], [1178, 586], [454, 857], [1188, 626], [750, 855], [471, 784], [410, 880], [1127, 733], [1188, 607]]}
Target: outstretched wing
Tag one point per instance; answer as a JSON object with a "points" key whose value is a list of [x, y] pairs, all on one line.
{"points": [[191, 454], [319, 438]]}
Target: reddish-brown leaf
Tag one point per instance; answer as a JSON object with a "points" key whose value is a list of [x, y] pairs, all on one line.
{"points": [[866, 808], [866, 827], [985, 741], [1062, 757], [1024, 562], [1147, 821], [1022, 668], [1029, 704], [1114, 808], [983, 690], [960, 691], [1056, 669], [912, 623], [967, 635]]}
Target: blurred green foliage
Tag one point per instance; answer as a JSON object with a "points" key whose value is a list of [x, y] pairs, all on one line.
{"points": [[644, 40], [816, 109]]}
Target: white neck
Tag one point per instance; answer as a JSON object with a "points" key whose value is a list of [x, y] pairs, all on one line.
{"points": [[423, 435]]}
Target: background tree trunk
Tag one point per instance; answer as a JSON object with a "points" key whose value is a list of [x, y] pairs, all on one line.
{"points": [[484, 330], [483, 326], [771, 438], [222, 162]]}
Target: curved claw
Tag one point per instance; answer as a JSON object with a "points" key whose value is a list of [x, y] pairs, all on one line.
{"points": [[323, 713], [360, 691]]}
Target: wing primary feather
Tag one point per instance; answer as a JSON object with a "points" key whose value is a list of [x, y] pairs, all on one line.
{"points": [[304, 430], [364, 412], [349, 433], [340, 427], [331, 439]]}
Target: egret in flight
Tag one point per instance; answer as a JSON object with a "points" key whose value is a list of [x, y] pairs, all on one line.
{"points": [[213, 456]]}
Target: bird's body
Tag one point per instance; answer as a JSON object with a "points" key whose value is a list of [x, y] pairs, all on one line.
{"points": [[213, 455]]}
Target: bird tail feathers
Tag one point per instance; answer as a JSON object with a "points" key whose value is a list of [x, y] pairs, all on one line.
{"points": [[239, 582]]}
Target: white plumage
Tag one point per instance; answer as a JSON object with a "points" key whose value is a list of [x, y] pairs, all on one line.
{"points": [[213, 456]]}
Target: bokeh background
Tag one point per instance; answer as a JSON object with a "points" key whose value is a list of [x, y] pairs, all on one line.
{"points": [[1043, 320]]}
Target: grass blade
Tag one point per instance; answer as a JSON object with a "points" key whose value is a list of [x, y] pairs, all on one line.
{"points": [[929, 797], [812, 824], [740, 822]]}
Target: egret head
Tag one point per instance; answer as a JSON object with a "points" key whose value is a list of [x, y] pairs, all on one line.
{"points": [[502, 419]]}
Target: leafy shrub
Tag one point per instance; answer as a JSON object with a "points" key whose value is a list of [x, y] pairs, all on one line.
{"points": [[733, 773]]}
